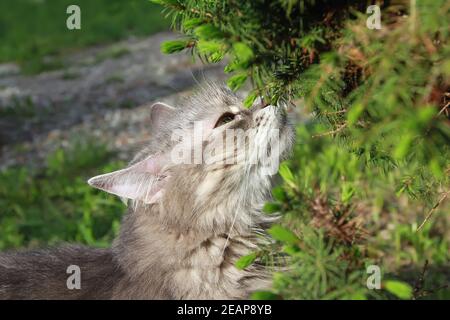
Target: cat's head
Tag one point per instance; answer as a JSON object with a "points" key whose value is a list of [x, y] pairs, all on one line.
{"points": [[209, 163]]}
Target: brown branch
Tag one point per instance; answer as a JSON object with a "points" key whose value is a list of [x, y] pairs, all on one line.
{"points": [[207, 14], [444, 109], [332, 132], [430, 213], [328, 113], [418, 288]]}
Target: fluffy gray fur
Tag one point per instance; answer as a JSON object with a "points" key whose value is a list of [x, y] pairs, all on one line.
{"points": [[182, 244]]}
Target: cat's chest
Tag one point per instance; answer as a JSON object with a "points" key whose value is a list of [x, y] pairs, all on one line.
{"points": [[209, 272]]}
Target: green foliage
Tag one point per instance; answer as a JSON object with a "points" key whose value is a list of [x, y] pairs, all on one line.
{"points": [[346, 214], [282, 234], [372, 161], [399, 289], [173, 46], [247, 260], [55, 204], [263, 295], [34, 33]]}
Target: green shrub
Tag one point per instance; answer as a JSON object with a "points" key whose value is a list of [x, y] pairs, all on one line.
{"points": [[369, 178], [55, 204]]}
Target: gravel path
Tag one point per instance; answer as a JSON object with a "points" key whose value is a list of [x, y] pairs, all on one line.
{"points": [[102, 92]]}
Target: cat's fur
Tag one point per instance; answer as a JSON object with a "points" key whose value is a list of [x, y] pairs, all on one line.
{"points": [[186, 226]]}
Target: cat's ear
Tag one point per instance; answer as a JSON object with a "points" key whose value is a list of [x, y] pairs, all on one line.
{"points": [[143, 181], [159, 114]]}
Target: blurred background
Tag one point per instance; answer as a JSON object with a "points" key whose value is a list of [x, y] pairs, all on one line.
{"points": [[73, 105]]}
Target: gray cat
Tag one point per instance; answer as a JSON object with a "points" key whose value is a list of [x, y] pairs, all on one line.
{"points": [[194, 208]]}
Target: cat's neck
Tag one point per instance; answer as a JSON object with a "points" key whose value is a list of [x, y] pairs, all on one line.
{"points": [[185, 263]]}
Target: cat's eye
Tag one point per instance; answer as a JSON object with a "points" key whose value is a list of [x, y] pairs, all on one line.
{"points": [[225, 118]]}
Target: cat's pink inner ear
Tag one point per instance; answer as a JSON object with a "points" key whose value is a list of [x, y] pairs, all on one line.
{"points": [[152, 164], [142, 181], [160, 113]]}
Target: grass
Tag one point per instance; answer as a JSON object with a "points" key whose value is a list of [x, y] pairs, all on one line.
{"points": [[55, 204], [112, 53], [34, 33]]}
